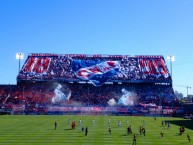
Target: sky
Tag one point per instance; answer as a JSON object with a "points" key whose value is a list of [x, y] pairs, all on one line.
{"points": [[124, 27]]}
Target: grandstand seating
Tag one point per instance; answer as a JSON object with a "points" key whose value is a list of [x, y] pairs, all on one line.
{"points": [[73, 67], [89, 80]]}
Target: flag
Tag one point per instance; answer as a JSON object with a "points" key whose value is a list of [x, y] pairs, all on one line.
{"points": [[96, 72]]}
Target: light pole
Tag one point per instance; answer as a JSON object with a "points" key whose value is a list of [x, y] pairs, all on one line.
{"points": [[187, 89], [171, 58], [19, 56]]}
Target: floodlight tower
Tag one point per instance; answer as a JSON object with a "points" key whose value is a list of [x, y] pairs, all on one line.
{"points": [[187, 89], [19, 56], [171, 58]]}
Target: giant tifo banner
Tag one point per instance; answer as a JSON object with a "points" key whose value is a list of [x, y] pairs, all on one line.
{"points": [[95, 69]]}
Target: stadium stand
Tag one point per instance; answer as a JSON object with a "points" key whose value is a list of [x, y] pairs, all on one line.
{"points": [[50, 83]]}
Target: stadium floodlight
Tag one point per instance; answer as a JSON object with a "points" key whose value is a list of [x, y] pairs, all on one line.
{"points": [[19, 56], [170, 58], [187, 89]]}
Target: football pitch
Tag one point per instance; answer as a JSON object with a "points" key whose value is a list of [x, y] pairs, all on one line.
{"points": [[40, 130]]}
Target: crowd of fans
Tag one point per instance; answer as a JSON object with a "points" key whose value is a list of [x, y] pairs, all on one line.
{"points": [[36, 95], [49, 68], [41, 74], [61, 67]]}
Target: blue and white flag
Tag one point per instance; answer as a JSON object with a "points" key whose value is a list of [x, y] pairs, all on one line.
{"points": [[97, 72]]}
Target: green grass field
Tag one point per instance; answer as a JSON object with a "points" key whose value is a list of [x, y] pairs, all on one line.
{"points": [[39, 130]]}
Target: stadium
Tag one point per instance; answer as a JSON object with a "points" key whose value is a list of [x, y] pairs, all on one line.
{"points": [[92, 99], [95, 72], [91, 84]]}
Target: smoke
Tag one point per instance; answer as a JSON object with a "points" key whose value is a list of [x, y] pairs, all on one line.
{"points": [[126, 98], [61, 93], [112, 102], [62, 96]]}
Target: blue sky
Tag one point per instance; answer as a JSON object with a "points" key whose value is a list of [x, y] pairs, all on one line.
{"points": [[132, 27]]}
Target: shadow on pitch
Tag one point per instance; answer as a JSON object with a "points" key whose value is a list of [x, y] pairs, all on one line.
{"points": [[68, 129], [185, 123], [124, 135]]}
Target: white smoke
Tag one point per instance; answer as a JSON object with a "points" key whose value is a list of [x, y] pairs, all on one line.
{"points": [[112, 102], [59, 95], [127, 99]]}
